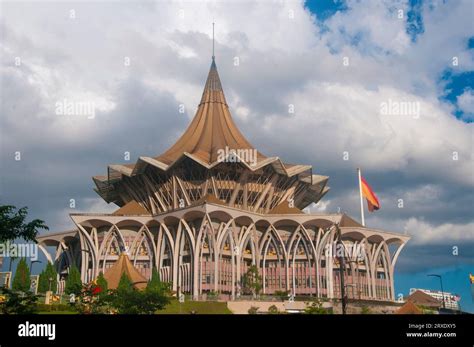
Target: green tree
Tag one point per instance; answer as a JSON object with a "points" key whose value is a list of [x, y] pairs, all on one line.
{"points": [[13, 225], [102, 283], [73, 281], [125, 285], [252, 281], [43, 283], [154, 283], [21, 281]]}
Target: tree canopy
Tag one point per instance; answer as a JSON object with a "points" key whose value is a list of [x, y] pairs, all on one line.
{"points": [[13, 225], [43, 283], [73, 281], [21, 280]]}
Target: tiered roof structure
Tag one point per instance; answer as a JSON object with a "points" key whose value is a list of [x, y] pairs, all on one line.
{"points": [[211, 157]]}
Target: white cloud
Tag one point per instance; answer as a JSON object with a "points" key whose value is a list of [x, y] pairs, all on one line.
{"points": [[348, 118], [424, 233], [466, 104], [283, 60], [321, 207]]}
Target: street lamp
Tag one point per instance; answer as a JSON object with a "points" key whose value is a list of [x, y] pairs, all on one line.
{"points": [[354, 285], [12, 259], [342, 266], [441, 282]]}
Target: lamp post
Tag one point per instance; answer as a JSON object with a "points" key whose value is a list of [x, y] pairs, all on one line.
{"points": [[441, 282], [12, 259], [342, 266], [354, 285]]}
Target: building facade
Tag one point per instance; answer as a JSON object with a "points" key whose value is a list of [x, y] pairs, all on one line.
{"points": [[451, 301], [212, 206]]}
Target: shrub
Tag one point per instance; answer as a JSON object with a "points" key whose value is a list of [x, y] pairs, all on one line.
{"points": [[315, 308], [273, 310], [253, 310], [282, 294], [102, 284], [18, 303], [53, 308], [137, 302], [128, 300], [212, 295], [91, 300]]}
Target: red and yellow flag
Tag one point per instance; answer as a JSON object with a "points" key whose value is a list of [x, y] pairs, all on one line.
{"points": [[368, 193]]}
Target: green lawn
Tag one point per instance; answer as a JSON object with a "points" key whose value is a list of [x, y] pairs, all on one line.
{"points": [[200, 307], [57, 312], [174, 307]]}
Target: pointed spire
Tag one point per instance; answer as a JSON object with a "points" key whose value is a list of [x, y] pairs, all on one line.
{"points": [[213, 56], [212, 128], [213, 82]]}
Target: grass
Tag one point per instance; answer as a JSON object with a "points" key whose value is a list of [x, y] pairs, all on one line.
{"points": [[57, 312], [200, 307], [174, 307]]}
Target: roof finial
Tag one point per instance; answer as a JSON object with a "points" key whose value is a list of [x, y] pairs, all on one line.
{"points": [[213, 40]]}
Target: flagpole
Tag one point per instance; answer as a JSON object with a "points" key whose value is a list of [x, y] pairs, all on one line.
{"points": [[361, 199]]}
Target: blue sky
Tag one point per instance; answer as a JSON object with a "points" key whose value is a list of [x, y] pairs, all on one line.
{"points": [[289, 53], [452, 84]]}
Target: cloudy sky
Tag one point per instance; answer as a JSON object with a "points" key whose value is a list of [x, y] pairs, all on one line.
{"points": [[345, 68]]}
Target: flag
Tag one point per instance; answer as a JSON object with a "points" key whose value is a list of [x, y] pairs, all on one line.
{"points": [[368, 193]]}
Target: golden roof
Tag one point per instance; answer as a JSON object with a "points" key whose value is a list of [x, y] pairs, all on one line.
{"points": [[211, 137], [284, 208], [132, 208], [420, 298], [212, 128], [121, 266], [409, 308]]}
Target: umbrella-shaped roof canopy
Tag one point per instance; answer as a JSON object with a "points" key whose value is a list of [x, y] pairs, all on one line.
{"points": [[121, 266]]}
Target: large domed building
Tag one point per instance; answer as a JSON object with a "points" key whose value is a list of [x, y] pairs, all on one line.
{"points": [[212, 206]]}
